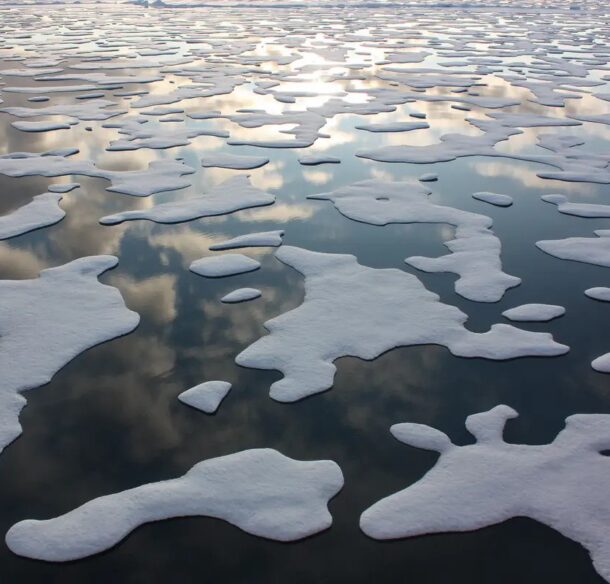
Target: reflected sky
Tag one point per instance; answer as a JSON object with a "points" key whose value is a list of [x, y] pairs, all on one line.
{"points": [[110, 420]]}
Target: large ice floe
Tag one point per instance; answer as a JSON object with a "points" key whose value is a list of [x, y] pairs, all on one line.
{"points": [[562, 484], [260, 491], [48, 321], [234, 194], [350, 309], [475, 250]]}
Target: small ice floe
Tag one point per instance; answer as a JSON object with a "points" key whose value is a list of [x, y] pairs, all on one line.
{"points": [[56, 316], [589, 250], [233, 161], [241, 295], [599, 293], [393, 126], [229, 264], [260, 491], [494, 199], [41, 126], [260, 239], [534, 312], [562, 484], [232, 195], [428, 177], [42, 211], [207, 396], [316, 159]]}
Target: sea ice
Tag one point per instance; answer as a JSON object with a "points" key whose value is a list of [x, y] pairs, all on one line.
{"points": [[233, 161], [55, 317], [229, 264], [494, 199], [562, 484], [206, 396], [350, 309], [578, 209], [475, 250], [42, 211], [241, 295], [234, 194], [260, 491], [261, 239], [534, 312]]}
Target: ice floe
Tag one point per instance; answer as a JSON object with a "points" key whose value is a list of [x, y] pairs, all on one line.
{"points": [[234, 194], [494, 199], [578, 209], [233, 161], [56, 316], [229, 264], [561, 484], [42, 211], [260, 491], [475, 250], [350, 309], [260, 239], [534, 312], [206, 396], [241, 295]]}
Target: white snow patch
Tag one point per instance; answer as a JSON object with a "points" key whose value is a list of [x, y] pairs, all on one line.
{"points": [[206, 396], [562, 484], [350, 309], [260, 491], [534, 312], [229, 264]]}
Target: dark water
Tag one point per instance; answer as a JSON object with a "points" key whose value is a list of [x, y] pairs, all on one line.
{"points": [[110, 420]]}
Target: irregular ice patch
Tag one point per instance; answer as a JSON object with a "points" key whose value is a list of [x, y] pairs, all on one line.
{"points": [[475, 250], [206, 396], [233, 161], [534, 312], [562, 484], [42, 211], [260, 491], [578, 209], [229, 264], [350, 309], [234, 194], [56, 316], [241, 295], [494, 199], [260, 239]]}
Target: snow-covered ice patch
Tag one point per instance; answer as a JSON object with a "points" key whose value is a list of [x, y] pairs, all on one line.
{"points": [[56, 316], [494, 199], [562, 484], [354, 310], [42, 211], [260, 491], [534, 312], [241, 295], [234, 194], [206, 396], [229, 264], [260, 239]]}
